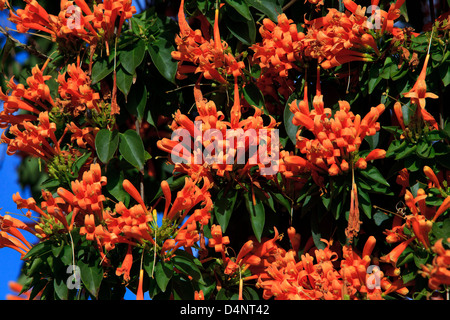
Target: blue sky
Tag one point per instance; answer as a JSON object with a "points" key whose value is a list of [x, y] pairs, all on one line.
{"points": [[10, 262]]}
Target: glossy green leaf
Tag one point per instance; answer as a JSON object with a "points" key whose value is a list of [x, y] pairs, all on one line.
{"points": [[130, 59], [186, 264], [106, 143], [444, 73], [270, 8], [61, 289], [160, 52], [290, 128], [241, 7], [163, 274], [374, 174], [244, 30], [91, 276], [224, 206], [374, 78], [114, 185], [124, 80], [131, 148], [254, 96], [137, 100], [101, 68], [257, 215]]}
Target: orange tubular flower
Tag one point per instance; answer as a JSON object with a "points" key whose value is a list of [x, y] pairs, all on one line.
{"points": [[432, 176], [32, 99], [419, 93], [337, 137], [439, 272], [389, 17], [442, 208], [75, 91], [399, 114], [126, 265], [322, 43], [89, 227], [287, 276], [132, 191], [198, 295], [218, 241], [204, 56], [393, 256], [86, 195], [140, 293], [421, 228]]}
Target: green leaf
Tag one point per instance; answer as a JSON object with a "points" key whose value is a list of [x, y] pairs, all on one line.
{"points": [[163, 274], [257, 215], [365, 203], [185, 263], [406, 152], [270, 8], [425, 150], [106, 143], [444, 72], [131, 59], [254, 96], [316, 232], [373, 140], [420, 258], [241, 7], [66, 256], [61, 289], [124, 80], [374, 78], [137, 100], [379, 217], [57, 248], [100, 69], [224, 206], [76, 166], [372, 173], [441, 229], [244, 30], [131, 148], [40, 248], [7, 47], [91, 276], [389, 69], [160, 52], [290, 128], [282, 200], [114, 185]]}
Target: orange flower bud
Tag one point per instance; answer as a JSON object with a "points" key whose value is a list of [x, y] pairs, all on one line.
{"points": [[376, 154], [132, 191], [368, 247], [443, 207], [344, 165], [432, 176], [140, 293], [361, 164]]}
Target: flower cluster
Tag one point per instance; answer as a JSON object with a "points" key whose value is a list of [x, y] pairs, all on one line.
{"points": [[229, 142], [338, 37], [197, 54], [280, 51], [75, 20], [337, 138], [439, 272]]}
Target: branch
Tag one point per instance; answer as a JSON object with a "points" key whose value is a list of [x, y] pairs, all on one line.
{"points": [[27, 48]]}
